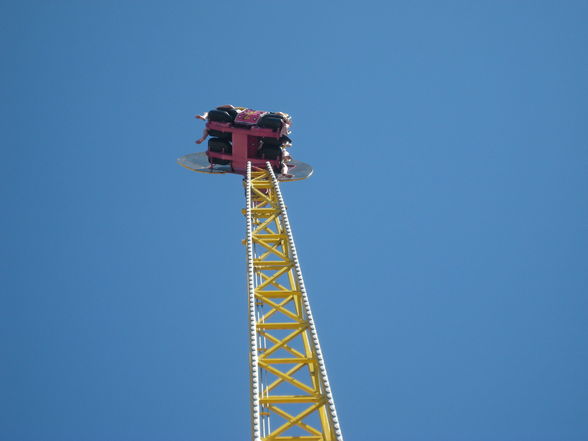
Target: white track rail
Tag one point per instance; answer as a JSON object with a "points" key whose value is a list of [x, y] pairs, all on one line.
{"points": [[253, 355], [315, 340]]}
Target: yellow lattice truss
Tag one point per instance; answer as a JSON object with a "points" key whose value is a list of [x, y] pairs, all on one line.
{"points": [[289, 384]]}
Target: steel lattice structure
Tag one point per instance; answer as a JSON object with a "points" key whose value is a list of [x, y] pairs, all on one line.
{"points": [[291, 397]]}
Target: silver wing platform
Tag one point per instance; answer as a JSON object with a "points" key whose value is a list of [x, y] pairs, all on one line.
{"points": [[198, 162]]}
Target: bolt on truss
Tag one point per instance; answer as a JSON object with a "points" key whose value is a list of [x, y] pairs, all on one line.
{"points": [[291, 397]]}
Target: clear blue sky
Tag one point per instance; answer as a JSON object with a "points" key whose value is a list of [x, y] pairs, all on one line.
{"points": [[443, 237]]}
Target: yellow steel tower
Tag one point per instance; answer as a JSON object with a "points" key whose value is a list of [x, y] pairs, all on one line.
{"points": [[290, 394]]}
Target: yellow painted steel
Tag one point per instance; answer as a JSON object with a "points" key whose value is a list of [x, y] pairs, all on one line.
{"points": [[293, 403]]}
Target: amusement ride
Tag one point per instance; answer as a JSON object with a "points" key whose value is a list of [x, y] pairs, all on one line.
{"points": [[290, 394]]}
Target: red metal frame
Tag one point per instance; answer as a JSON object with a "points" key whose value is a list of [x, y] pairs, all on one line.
{"points": [[245, 144]]}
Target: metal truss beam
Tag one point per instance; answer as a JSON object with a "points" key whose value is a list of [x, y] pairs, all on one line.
{"points": [[291, 397]]}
